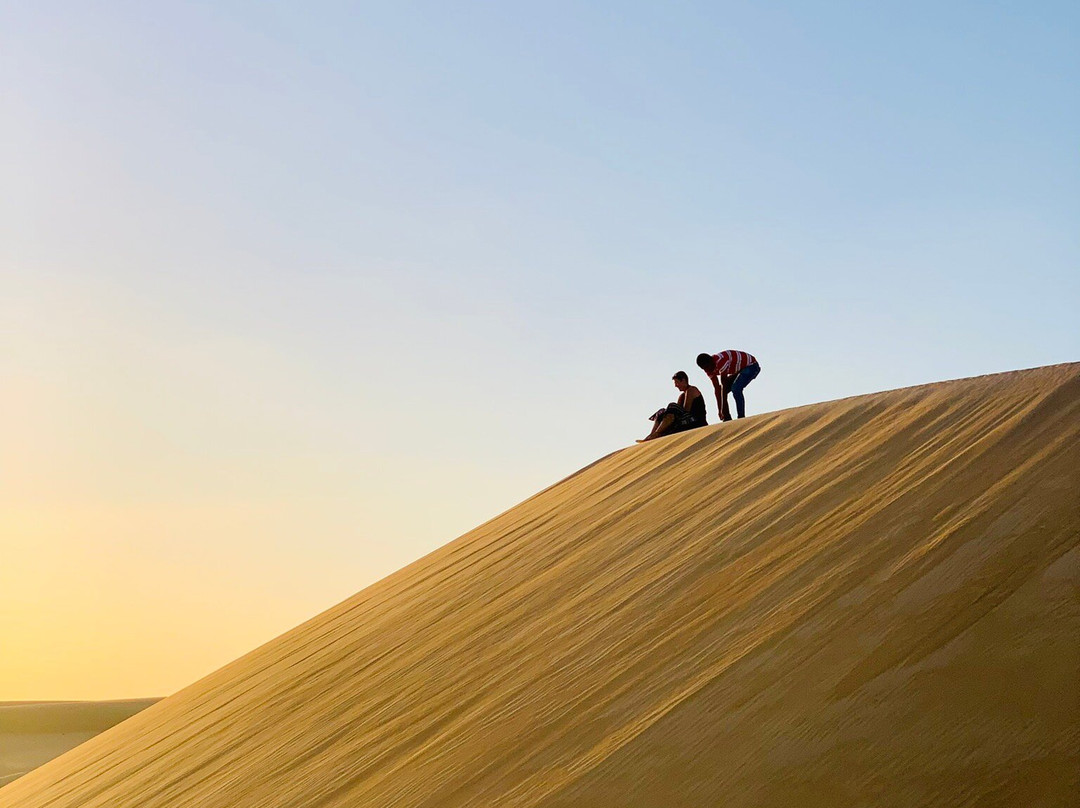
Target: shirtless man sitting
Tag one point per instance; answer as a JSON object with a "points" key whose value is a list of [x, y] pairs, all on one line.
{"points": [[687, 413]]}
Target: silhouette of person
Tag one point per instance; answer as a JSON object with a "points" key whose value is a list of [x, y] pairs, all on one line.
{"points": [[686, 413], [729, 371]]}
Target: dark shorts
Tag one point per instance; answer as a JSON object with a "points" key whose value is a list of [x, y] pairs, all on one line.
{"points": [[683, 419]]}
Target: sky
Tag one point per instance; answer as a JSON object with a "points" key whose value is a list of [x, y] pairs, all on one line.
{"points": [[292, 294]]}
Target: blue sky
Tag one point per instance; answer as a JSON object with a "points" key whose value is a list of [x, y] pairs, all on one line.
{"points": [[367, 274]]}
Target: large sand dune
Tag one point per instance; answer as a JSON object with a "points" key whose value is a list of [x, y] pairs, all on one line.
{"points": [[866, 602], [34, 732]]}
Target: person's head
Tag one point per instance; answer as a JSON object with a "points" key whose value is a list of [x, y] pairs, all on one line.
{"points": [[706, 362], [682, 381]]}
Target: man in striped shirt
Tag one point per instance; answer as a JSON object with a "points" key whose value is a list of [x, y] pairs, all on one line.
{"points": [[729, 371]]}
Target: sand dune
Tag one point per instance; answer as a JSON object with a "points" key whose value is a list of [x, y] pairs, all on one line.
{"points": [[34, 732], [873, 601]]}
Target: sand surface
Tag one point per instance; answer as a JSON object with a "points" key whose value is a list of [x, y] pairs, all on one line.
{"points": [[34, 732], [867, 602]]}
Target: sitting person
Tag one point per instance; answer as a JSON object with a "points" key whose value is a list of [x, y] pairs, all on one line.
{"points": [[687, 413]]}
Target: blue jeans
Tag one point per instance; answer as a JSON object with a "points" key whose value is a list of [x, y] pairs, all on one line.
{"points": [[745, 376]]}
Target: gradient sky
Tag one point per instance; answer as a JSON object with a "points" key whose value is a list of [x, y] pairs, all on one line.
{"points": [[292, 294]]}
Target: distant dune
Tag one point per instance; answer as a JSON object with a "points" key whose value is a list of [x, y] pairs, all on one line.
{"points": [[867, 602], [34, 732]]}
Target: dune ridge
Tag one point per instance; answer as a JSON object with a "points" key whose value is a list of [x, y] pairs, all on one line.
{"points": [[35, 732], [872, 601]]}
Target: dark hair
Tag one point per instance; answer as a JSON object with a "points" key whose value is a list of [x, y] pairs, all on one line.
{"points": [[704, 361], [681, 376]]}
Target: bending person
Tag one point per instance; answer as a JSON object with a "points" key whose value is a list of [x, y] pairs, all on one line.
{"points": [[729, 371], [687, 413]]}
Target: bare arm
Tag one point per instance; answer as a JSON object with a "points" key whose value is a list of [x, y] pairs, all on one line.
{"points": [[718, 388], [691, 395]]}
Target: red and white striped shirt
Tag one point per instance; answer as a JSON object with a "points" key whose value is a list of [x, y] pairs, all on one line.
{"points": [[728, 363]]}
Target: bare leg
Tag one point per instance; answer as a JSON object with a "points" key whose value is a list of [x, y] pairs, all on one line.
{"points": [[652, 432], [660, 427]]}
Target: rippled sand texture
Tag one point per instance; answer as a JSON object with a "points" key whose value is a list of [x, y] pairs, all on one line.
{"points": [[871, 601]]}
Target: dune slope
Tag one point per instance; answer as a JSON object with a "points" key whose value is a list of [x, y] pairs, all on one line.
{"points": [[33, 733], [873, 601]]}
